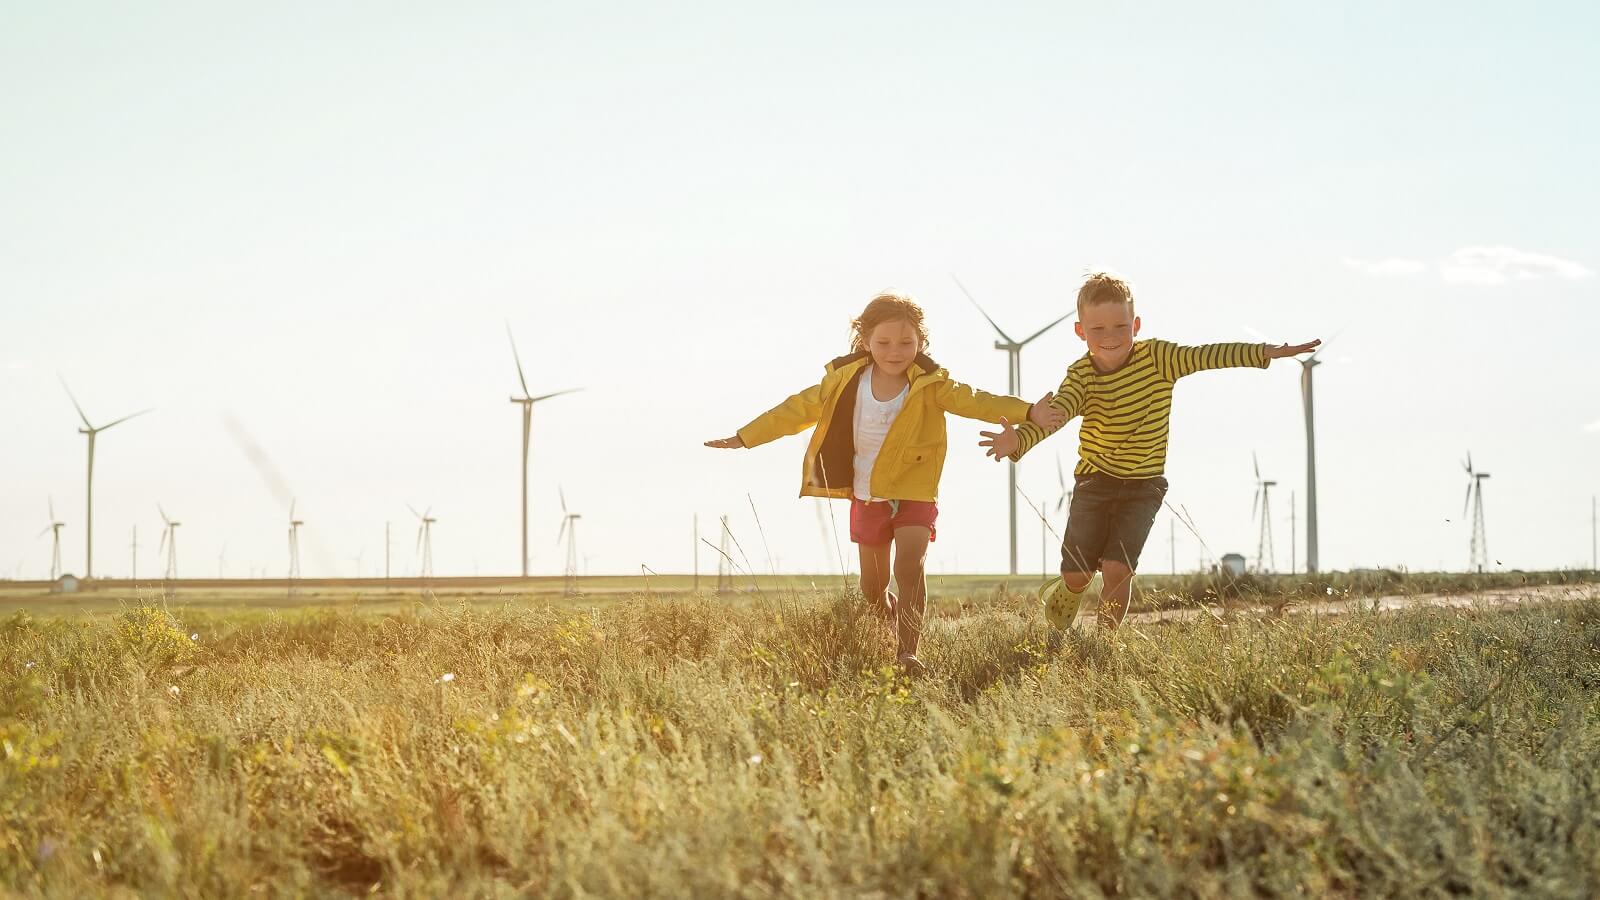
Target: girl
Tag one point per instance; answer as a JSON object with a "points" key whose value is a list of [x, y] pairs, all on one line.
{"points": [[880, 442]]}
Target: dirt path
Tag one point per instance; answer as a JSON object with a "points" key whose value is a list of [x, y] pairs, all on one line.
{"points": [[1497, 598]]}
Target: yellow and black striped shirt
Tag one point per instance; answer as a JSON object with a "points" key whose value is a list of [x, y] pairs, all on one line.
{"points": [[1125, 413]]}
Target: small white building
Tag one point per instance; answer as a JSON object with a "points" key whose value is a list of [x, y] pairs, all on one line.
{"points": [[1233, 564], [66, 584]]}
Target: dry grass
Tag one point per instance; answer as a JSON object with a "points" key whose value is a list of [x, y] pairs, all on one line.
{"points": [[679, 747]]}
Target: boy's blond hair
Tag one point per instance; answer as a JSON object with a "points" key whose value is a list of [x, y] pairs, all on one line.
{"points": [[1101, 288]]}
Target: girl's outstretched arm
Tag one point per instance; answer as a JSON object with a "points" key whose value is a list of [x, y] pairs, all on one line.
{"points": [[792, 416]]}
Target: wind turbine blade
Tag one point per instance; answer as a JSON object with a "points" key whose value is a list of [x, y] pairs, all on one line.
{"points": [[163, 544], [52, 501], [1050, 326], [514, 356], [563, 532], [291, 509], [44, 531], [555, 394], [413, 510], [980, 309], [1256, 463], [163, 514], [1466, 500], [1254, 503], [123, 419], [75, 403], [419, 538], [563, 495]]}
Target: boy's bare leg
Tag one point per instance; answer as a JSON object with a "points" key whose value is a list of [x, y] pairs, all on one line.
{"points": [[1115, 595], [875, 578], [910, 572], [1077, 582]]}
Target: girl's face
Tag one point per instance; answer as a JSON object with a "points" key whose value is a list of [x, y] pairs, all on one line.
{"points": [[894, 346]]}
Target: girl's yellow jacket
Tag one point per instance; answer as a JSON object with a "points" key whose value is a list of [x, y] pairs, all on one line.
{"points": [[912, 457]]}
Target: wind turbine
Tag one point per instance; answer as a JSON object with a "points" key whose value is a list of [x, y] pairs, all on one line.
{"points": [[294, 542], [1014, 388], [527, 400], [1306, 365], [169, 541], [569, 530], [425, 538], [54, 528], [1479, 549], [91, 431], [1266, 556]]}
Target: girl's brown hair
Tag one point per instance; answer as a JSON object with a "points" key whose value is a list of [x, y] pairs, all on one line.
{"points": [[888, 306]]}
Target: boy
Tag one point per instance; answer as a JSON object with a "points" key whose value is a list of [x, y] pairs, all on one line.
{"points": [[1123, 390]]}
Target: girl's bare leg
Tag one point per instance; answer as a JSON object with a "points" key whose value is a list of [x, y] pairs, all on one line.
{"points": [[875, 578], [910, 573]]}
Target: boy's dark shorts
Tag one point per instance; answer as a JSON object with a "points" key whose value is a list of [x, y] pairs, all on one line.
{"points": [[874, 522], [1110, 519]]}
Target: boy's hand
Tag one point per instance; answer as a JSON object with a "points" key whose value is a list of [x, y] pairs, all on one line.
{"points": [[1046, 416], [1280, 351], [1001, 443], [727, 443]]}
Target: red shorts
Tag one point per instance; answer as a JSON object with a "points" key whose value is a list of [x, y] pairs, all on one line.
{"points": [[875, 522]]}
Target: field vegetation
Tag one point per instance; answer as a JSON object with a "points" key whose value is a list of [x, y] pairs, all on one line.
{"points": [[689, 746]]}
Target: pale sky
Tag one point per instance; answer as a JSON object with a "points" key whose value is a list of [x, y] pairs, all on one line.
{"points": [[317, 219]]}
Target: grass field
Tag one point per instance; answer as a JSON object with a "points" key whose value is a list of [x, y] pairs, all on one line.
{"points": [[682, 745]]}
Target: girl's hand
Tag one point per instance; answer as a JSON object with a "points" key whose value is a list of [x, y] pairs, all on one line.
{"points": [[1046, 416], [1001, 443], [727, 443], [1279, 351]]}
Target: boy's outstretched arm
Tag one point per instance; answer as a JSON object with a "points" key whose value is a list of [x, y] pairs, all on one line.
{"points": [[1176, 361], [1283, 351]]}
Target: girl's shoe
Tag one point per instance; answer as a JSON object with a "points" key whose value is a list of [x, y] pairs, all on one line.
{"points": [[912, 666]]}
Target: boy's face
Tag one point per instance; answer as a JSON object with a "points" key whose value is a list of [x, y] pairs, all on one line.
{"points": [[1109, 330], [894, 346]]}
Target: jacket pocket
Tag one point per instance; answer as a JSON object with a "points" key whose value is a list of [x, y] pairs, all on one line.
{"points": [[912, 456]]}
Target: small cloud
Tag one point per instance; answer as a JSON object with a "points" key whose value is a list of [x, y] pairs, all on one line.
{"points": [[1386, 268], [1502, 265]]}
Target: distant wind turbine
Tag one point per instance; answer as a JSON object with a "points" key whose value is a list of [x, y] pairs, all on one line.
{"points": [[527, 400], [169, 541], [1014, 388], [569, 530], [425, 538], [54, 529], [91, 431]]}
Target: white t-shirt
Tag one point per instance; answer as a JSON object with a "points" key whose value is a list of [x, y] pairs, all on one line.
{"points": [[873, 418]]}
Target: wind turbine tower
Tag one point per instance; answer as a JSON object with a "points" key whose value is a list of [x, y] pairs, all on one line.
{"points": [[91, 431], [724, 561], [1306, 365], [54, 529], [294, 542], [169, 541], [527, 400], [1014, 387], [425, 538], [1266, 556], [1479, 550], [569, 531]]}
